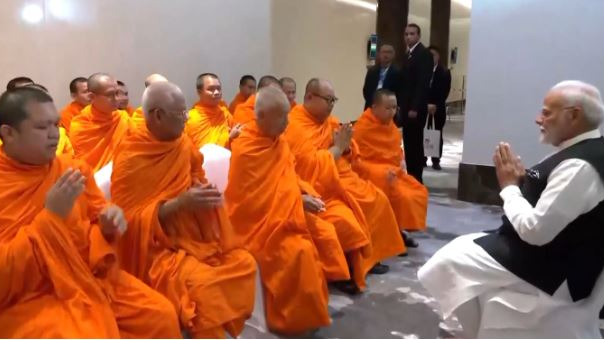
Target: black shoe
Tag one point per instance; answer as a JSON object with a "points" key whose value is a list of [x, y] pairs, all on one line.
{"points": [[436, 166], [379, 269], [405, 254], [409, 241], [348, 287]]}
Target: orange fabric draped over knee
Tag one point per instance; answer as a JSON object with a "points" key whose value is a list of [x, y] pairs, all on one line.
{"points": [[380, 153], [193, 259], [383, 231], [59, 277], [265, 206]]}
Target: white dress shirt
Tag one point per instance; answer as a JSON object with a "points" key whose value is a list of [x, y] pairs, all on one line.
{"points": [[412, 48], [573, 188]]}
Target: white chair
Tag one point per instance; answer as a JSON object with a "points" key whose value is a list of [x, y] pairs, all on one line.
{"points": [[103, 180], [216, 161], [538, 315]]}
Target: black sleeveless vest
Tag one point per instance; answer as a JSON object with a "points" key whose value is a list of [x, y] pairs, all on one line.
{"points": [[576, 254]]}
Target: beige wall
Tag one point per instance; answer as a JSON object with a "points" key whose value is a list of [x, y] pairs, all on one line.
{"points": [[183, 38], [323, 38], [419, 13], [133, 38]]}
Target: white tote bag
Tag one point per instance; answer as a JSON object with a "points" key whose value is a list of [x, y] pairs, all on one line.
{"points": [[431, 141]]}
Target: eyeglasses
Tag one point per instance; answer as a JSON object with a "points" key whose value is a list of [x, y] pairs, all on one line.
{"points": [[329, 100]]}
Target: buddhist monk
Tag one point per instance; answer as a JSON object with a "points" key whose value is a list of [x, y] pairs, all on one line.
{"points": [[323, 233], [98, 130], [289, 87], [80, 98], [312, 122], [138, 116], [210, 122], [179, 237], [340, 210], [247, 87], [58, 267], [64, 145], [245, 112], [123, 99], [18, 82], [265, 205], [381, 161]]}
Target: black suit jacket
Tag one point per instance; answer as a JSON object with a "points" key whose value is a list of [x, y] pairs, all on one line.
{"points": [[439, 89], [415, 85], [372, 78]]}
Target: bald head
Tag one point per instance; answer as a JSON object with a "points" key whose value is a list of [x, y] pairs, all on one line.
{"points": [[98, 81], [165, 108], [155, 77], [268, 80], [272, 108], [288, 85], [103, 92], [319, 98]]}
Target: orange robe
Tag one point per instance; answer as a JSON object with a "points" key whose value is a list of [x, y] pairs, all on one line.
{"points": [[293, 104], [64, 146], [192, 259], [138, 117], [303, 129], [239, 99], [96, 136], [265, 206], [245, 112], [129, 110], [380, 152], [209, 125], [58, 277], [69, 111]]}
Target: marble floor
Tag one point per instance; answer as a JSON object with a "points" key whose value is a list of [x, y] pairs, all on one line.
{"points": [[395, 305]]}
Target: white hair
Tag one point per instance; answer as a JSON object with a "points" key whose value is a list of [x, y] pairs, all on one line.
{"points": [[270, 97], [585, 95]]}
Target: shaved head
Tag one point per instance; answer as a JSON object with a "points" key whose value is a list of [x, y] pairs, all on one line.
{"points": [[29, 125], [98, 81], [165, 108], [288, 85], [272, 108], [155, 77], [319, 98], [268, 80], [103, 92]]}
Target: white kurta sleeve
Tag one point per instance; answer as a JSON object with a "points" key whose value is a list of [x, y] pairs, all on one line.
{"points": [[573, 188]]}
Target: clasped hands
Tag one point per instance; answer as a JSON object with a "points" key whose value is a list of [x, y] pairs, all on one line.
{"points": [[508, 166]]}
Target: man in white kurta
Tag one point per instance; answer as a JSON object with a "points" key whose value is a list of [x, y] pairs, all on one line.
{"points": [[470, 283]]}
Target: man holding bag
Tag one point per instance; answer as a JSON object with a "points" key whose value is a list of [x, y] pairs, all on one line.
{"points": [[440, 85]]}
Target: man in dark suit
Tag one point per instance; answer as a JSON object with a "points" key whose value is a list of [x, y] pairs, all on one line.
{"points": [[440, 85], [413, 95], [384, 75]]}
